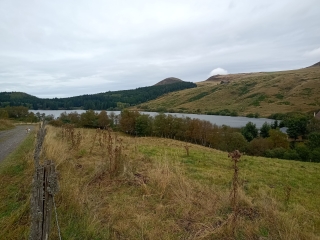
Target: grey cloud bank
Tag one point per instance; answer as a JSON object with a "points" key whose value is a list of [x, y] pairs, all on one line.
{"points": [[68, 48]]}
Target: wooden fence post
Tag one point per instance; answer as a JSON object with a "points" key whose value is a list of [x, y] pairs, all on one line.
{"points": [[45, 186]]}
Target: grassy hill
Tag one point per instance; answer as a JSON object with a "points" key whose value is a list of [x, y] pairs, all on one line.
{"points": [[169, 80], [160, 191], [262, 92]]}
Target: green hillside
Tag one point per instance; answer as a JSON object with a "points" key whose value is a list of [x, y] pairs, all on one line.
{"points": [[114, 100], [263, 93]]}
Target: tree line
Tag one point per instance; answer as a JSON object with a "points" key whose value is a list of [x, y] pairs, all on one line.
{"points": [[302, 141], [21, 113], [112, 100]]}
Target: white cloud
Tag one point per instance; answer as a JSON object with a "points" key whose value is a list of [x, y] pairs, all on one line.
{"points": [[218, 71]]}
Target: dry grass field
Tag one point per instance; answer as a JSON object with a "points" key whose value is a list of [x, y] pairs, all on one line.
{"points": [[264, 93], [117, 187], [6, 124]]}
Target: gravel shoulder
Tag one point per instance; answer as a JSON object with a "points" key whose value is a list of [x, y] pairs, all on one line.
{"points": [[11, 139]]}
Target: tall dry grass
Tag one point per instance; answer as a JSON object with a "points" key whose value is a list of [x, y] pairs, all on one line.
{"points": [[5, 124], [161, 193]]}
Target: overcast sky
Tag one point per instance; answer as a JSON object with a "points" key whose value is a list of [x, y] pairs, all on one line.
{"points": [[65, 48]]}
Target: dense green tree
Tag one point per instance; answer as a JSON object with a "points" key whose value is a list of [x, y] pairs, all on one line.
{"points": [[18, 112], [103, 119], [235, 141], [180, 127], [89, 119], [313, 125], [278, 139], [297, 127], [275, 124], [159, 125], [143, 125], [128, 121], [250, 131], [291, 154], [113, 120], [313, 140], [31, 118], [221, 136], [315, 155], [264, 130], [63, 117], [259, 146], [276, 153], [303, 151]]}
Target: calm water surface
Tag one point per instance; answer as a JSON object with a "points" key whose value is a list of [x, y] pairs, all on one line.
{"points": [[218, 120]]}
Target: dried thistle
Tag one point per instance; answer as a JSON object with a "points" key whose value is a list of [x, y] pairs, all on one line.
{"points": [[187, 148]]}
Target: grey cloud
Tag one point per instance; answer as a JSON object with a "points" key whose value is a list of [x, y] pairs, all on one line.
{"points": [[67, 48]]}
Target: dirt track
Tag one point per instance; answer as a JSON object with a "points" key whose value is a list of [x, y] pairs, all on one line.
{"points": [[11, 139]]}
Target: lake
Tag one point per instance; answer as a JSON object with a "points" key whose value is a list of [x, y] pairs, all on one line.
{"points": [[236, 122]]}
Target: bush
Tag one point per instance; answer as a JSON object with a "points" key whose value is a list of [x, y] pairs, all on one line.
{"points": [[303, 152], [275, 153], [278, 139], [56, 123], [235, 141], [5, 124], [291, 154], [315, 155], [313, 140], [258, 146], [250, 115]]}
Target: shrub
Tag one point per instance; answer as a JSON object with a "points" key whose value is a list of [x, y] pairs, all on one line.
{"points": [[5, 124], [259, 146], [303, 152], [235, 141], [291, 154], [313, 140], [278, 139], [275, 153], [315, 155], [56, 123]]}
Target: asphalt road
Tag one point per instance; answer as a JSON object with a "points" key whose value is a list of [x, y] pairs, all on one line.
{"points": [[11, 139]]}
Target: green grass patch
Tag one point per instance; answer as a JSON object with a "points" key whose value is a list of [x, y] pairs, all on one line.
{"points": [[214, 89], [279, 96], [258, 98], [15, 189], [307, 91], [246, 87], [197, 97]]}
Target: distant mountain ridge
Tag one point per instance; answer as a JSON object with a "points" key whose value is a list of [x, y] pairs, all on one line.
{"points": [[257, 93], [168, 80], [115, 100]]}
